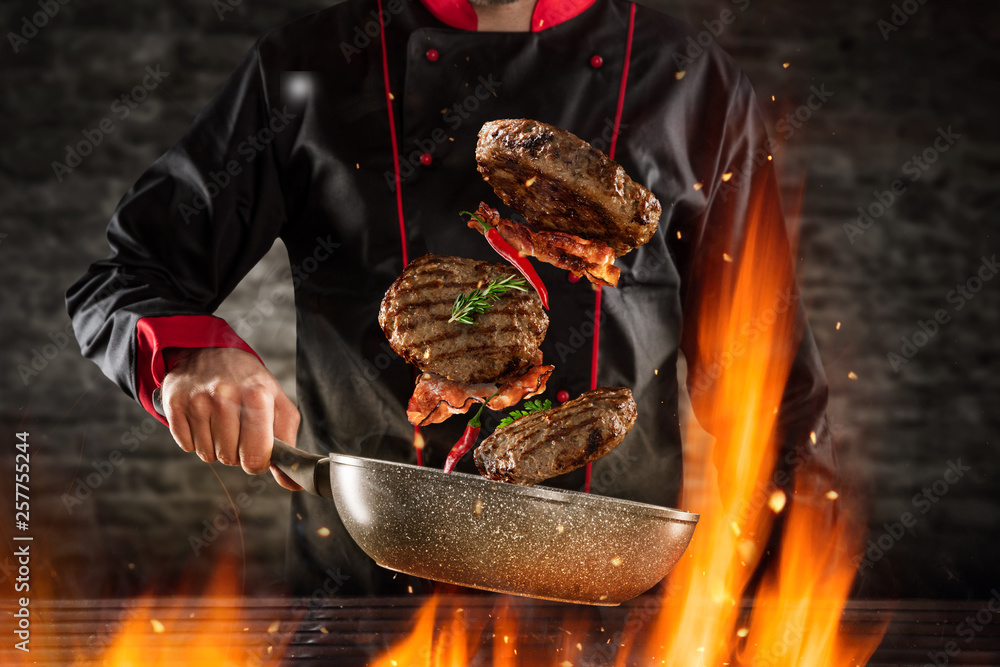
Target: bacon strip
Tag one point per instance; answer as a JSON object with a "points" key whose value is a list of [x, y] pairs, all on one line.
{"points": [[435, 398], [583, 257]]}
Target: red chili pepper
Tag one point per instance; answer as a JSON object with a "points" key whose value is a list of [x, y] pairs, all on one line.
{"points": [[464, 444], [511, 254], [468, 439]]}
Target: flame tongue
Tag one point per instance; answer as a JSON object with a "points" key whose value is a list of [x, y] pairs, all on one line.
{"points": [[747, 339], [796, 615], [452, 646], [745, 344], [213, 629]]}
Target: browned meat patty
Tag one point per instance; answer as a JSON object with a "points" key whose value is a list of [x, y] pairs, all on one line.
{"points": [[500, 344], [552, 442], [561, 183]]}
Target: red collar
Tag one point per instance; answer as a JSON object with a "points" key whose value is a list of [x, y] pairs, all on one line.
{"points": [[460, 14]]}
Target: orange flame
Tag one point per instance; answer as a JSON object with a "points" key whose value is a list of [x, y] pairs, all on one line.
{"points": [[464, 639], [212, 631], [747, 339], [423, 647], [505, 630], [745, 342], [417, 648], [796, 613]]}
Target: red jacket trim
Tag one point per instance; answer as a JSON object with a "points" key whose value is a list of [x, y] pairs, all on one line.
{"points": [[548, 13], [156, 334]]}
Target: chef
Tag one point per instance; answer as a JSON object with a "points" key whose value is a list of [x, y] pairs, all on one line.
{"points": [[350, 135]]}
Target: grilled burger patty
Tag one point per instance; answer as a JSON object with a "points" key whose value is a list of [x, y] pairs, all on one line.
{"points": [[552, 442], [559, 182], [502, 342]]}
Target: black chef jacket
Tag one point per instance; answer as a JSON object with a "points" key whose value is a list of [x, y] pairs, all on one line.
{"points": [[298, 146]]}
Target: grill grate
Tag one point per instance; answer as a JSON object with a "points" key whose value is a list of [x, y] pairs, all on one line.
{"points": [[352, 632]]}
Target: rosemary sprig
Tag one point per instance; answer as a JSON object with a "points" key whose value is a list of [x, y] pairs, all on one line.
{"points": [[529, 407], [480, 300]]}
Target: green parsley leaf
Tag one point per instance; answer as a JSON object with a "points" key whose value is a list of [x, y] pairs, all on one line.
{"points": [[536, 405]]}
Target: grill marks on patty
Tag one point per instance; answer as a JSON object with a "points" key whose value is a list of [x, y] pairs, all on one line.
{"points": [[552, 442], [500, 344]]}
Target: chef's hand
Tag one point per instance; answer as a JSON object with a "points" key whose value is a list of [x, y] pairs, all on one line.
{"points": [[225, 405]]}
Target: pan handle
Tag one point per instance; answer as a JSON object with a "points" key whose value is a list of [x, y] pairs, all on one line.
{"points": [[308, 470]]}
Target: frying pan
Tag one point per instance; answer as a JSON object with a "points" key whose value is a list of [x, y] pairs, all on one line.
{"points": [[464, 529]]}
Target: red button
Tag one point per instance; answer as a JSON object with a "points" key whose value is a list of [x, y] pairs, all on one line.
{"points": [[432, 55], [426, 159], [596, 61], [572, 277], [562, 396]]}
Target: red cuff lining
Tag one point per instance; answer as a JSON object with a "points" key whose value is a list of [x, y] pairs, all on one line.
{"points": [[156, 334]]}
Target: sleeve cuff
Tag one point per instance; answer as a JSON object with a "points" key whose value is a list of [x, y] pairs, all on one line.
{"points": [[156, 334]]}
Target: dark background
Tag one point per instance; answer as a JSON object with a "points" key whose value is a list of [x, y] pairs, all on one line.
{"points": [[112, 521]]}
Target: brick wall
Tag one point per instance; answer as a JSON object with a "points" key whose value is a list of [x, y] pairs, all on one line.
{"points": [[122, 507]]}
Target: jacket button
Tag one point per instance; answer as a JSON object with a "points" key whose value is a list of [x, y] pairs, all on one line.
{"points": [[572, 277], [562, 396], [432, 55], [596, 61], [426, 159]]}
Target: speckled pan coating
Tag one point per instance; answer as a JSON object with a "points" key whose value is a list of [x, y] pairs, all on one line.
{"points": [[531, 541]]}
